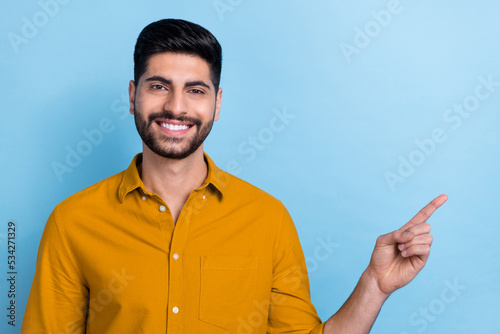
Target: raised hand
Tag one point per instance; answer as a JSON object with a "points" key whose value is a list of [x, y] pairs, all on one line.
{"points": [[400, 255]]}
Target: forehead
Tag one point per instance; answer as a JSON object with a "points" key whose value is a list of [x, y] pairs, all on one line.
{"points": [[179, 65]]}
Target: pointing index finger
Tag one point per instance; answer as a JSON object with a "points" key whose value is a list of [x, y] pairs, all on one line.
{"points": [[426, 212]]}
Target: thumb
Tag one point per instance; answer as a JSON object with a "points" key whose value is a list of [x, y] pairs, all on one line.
{"points": [[395, 237]]}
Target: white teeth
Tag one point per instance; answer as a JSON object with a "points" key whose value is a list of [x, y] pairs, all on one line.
{"points": [[174, 127]]}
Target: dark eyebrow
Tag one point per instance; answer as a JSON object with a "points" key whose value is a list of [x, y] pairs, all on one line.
{"points": [[160, 79], [197, 83], [169, 82]]}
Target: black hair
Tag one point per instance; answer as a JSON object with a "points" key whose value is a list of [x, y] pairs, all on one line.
{"points": [[179, 36]]}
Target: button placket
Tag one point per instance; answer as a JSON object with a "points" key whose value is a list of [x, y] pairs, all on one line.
{"points": [[177, 267]]}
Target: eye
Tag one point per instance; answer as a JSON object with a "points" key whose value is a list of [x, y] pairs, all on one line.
{"points": [[157, 87], [197, 91]]}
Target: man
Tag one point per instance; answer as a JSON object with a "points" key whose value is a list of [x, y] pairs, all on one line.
{"points": [[173, 244]]}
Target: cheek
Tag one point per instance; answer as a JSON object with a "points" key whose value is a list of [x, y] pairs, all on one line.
{"points": [[145, 105], [201, 109]]}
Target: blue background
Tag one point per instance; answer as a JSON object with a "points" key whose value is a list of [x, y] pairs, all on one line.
{"points": [[365, 85]]}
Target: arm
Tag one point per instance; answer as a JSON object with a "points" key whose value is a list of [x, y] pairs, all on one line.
{"points": [[58, 297], [290, 309], [398, 257]]}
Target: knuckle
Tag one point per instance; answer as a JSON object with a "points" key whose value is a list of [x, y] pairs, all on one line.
{"points": [[424, 215]]}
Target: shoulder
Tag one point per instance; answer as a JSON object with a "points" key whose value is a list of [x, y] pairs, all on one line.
{"points": [[256, 205], [236, 190], [244, 191], [97, 194]]}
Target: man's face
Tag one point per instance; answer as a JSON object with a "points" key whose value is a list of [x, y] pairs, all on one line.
{"points": [[174, 104]]}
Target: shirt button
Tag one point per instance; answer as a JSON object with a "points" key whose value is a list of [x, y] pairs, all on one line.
{"points": [[175, 256], [203, 196], [162, 208], [175, 309], [143, 198]]}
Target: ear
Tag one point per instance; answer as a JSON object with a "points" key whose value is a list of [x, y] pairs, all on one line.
{"points": [[218, 99], [131, 95]]}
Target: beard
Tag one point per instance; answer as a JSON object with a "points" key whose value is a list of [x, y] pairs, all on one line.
{"points": [[166, 146]]}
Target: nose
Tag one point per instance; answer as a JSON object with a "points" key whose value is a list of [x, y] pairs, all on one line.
{"points": [[175, 103]]}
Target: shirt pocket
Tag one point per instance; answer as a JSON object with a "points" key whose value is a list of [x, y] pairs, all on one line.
{"points": [[227, 291]]}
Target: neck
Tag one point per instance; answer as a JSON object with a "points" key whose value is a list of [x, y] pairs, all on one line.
{"points": [[173, 179]]}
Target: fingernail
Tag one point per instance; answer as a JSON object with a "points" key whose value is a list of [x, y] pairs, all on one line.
{"points": [[404, 253]]}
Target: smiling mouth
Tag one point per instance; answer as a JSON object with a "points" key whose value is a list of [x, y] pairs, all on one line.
{"points": [[173, 127]]}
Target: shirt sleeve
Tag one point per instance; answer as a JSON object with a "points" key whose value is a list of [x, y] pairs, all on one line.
{"points": [[291, 310], [58, 300]]}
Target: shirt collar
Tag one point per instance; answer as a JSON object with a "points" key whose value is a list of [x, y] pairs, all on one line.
{"points": [[215, 176], [131, 179]]}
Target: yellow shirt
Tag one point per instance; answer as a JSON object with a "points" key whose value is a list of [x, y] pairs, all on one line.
{"points": [[111, 260]]}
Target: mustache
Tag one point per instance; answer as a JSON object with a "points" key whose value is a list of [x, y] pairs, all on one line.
{"points": [[170, 116]]}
